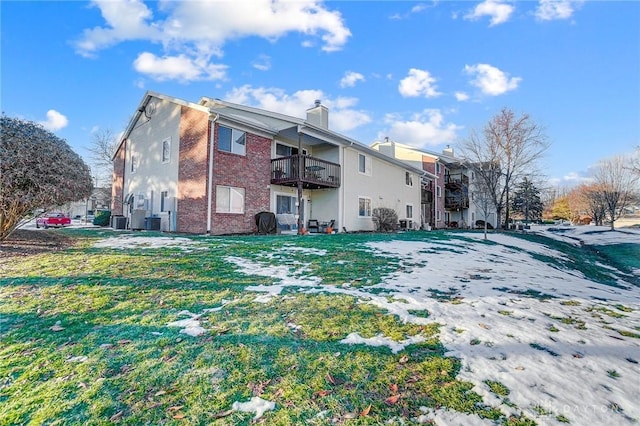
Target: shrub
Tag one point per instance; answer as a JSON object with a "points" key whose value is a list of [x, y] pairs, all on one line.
{"points": [[386, 219]]}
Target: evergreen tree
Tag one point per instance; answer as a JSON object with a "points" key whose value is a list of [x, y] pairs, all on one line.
{"points": [[526, 201]]}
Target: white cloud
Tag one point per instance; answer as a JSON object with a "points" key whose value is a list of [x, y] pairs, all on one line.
{"points": [[262, 63], [549, 10], [461, 96], [342, 114], [418, 83], [350, 79], [179, 67], [55, 121], [198, 30], [491, 80], [499, 12], [126, 20], [423, 129]]}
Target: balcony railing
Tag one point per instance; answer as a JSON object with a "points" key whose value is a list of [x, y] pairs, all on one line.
{"points": [[456, 180], [312, 172]]}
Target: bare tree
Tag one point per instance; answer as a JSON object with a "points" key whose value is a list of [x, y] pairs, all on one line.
{"points": [[103, 146], [38, 170], [616, 185], [482, 197], [594, 201], [509, 145]]}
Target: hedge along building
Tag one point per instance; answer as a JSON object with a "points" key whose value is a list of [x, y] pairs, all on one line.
{"points": [[211, 166]]}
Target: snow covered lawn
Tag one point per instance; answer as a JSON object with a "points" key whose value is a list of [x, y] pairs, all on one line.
{"points": [[326, 329]]}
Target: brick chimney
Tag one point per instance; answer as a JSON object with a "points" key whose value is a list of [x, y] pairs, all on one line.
{"points": [[318, 115]]}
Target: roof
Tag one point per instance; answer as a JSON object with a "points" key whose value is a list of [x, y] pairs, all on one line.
{"points": [[285, 126]]}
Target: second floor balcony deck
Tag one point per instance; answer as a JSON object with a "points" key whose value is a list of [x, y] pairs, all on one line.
{"points": [[312, 172]]}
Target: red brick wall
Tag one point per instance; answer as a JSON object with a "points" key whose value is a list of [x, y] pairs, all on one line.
{"points": [[251, 172], [117, 179], [193, 155]]}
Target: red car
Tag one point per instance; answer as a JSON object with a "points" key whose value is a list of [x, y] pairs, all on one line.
{"points": [[57, 220]]}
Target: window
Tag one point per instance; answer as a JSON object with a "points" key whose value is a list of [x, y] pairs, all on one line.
{"points": [[438, 218], [285, 150], [409, 211], [166, 150], [231, 140], [229, 199], [438, 191], [364, 164], [134, 165], [164, 203], [408, 179], [286, 204], [437, 168], [364, 206]]}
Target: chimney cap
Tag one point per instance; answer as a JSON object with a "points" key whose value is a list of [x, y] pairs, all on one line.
{"points": [[317, 102]]}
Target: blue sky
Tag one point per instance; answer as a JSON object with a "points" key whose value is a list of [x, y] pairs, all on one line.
{"points": [[421, 73]]}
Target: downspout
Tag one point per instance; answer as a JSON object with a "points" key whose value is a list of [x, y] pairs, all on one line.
{"points": [[210, 180], [300, 218], [343, 218]]}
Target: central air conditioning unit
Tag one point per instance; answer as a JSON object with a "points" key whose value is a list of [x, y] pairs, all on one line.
{"points": [[137, 221]]}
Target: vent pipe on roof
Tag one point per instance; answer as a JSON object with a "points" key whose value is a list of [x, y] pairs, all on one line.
{"points": [[448, 151]]}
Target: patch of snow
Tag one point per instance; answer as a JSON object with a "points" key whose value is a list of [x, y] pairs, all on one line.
{"points": [[561, 353], [254, 405], [381, 340], [130, 241], [190, 326]]}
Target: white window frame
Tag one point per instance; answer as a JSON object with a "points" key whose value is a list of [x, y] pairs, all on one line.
{"points": [[134, 163], [235, 197], [367, 164], [438, 168], [408, 179], [439, 191], [438, 216], [166, 151], [368, 209], [409, 210], [235, 135]]}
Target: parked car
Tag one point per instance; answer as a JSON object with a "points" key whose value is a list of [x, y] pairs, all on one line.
{"points": [[56, 220]]}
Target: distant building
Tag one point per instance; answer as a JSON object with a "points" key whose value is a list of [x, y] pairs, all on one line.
{"points": [[450, 180]]}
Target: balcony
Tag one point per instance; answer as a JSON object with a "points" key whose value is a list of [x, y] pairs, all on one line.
{"points": [[456, 202], [316, 173], [457, 180]]}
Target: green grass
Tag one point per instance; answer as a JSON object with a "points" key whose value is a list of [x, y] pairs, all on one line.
{"points": [[84, 336]]}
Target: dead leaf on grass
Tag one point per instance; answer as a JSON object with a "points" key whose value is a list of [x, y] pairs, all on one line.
{"points": [[116, 416], [485, 326], [124, 341], [321, 393], [179, 416], [403, 359], [175, 408], [365, 412], [56, 328], [160, 392], [392, 399], [393, 387], [222, 414]]}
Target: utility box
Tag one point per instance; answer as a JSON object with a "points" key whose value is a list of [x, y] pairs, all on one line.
{"points": [[138, 217], [152, 223], [118, 222]]}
